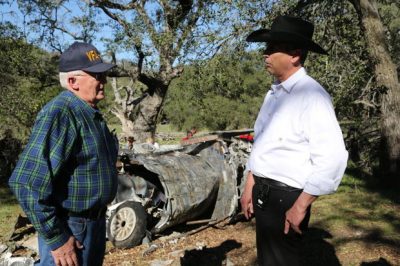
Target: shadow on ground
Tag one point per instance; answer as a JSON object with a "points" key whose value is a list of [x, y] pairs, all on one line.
{"points": [[380, 262], [316, 250], [209, 256], [376, 182]]}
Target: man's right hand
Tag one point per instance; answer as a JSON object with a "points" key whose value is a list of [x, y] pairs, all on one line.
{"points": [[246, 199], [66, 254]]}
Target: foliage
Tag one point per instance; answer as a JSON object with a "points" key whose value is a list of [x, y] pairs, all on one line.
{"points": [[27, 81], [390, 15], [223, 93]]}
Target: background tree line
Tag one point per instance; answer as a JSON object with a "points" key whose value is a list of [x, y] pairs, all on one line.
{"points": [[191, 65]]}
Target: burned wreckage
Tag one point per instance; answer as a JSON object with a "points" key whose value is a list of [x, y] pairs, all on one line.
{"points": [[160, 188]]}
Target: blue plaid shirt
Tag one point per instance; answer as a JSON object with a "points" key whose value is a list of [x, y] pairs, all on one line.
{"points": [[69, 164]]}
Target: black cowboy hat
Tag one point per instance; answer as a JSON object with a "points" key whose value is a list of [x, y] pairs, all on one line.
{"points": [[288, 30]]}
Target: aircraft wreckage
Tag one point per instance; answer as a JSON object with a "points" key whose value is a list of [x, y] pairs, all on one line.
{"points": [[171, 185]]}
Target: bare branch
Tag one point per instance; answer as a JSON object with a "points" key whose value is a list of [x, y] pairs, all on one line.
{"points": [[112, 5], [113, 16], [140, 59], [138, 46], [138, 100], [149, 25]]}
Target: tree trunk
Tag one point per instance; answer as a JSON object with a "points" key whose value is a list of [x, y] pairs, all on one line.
{"points": [[138, 114], [126, 124], [145, 116], [386, 77]]}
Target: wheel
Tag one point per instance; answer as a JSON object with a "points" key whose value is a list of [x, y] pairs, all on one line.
{"points": [[127, 225]]}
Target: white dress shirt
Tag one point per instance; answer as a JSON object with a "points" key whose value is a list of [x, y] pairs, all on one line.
{"points": [[298, 140]]}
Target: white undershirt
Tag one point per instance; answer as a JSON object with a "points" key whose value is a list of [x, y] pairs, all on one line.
{"points": [[298, 140]]}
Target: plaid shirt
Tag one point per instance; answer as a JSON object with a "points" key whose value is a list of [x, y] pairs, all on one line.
{"points": [[69, 164]]}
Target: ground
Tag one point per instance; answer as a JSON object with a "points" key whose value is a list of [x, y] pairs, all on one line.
{"points": [[358, 225], [211, 246]]}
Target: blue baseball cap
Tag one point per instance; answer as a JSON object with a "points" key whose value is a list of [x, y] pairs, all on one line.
{"points": [[83, 56]]}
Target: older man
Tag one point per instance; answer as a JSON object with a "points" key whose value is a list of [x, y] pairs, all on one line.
{"points": [[298, 152], [66, 175]]}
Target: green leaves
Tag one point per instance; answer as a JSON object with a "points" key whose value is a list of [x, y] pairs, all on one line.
{"points": [[28, 79], [223, 93]]}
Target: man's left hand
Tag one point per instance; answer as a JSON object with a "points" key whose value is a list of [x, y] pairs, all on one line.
{"points": [[296, 214], [294, 217]]}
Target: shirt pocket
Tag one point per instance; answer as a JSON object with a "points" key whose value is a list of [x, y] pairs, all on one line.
{"points": [[278, 128]]}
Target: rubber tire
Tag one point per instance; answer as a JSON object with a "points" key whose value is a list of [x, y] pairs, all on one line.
{"points": [[137, 233]]}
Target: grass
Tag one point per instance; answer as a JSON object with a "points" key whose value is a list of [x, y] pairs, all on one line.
{"points": [[359, 224], [9, 211]]}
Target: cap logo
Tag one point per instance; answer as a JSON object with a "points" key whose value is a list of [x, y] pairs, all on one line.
{"points": [[92, 55]]}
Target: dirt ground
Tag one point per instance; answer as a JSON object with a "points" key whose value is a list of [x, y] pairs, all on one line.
{"points": [[220, 244], [234, 244]]}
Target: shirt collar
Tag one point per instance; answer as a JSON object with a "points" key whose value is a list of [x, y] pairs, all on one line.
{"points": [[288, 84], [94, 112]]}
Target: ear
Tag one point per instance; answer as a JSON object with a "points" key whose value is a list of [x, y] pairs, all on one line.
{"points": [[73, 83], [295, 57]]}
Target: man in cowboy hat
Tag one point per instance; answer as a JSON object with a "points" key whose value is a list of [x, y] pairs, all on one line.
{"points": [[298, 152], [67, 173]]}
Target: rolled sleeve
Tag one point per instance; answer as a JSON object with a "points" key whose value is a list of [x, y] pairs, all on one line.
{"points": [[328, 154]]}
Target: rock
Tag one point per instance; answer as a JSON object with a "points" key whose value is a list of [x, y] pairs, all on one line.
{"points": [[200, 245], [30, 242], [17, 261], [228, 262], [3, 248], [177, 253], [160, 262], [149, 250]]}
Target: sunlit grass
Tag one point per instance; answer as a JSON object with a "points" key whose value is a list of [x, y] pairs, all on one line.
{"points": [[9, 210], [363, 223]]}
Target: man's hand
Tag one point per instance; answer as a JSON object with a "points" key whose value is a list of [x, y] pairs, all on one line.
{"points": [[246, 199], [296, 214], [66, 255]]}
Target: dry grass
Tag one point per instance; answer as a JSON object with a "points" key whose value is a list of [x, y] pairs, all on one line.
{"points": [[9, 210]]}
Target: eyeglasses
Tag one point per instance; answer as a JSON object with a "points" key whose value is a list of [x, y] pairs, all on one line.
{"points": [[98, 76]]}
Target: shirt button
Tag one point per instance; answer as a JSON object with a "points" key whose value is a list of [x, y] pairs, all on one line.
{"points": [[280, 139]]}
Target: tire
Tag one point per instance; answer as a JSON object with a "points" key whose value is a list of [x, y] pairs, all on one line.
{"points": [[127, 225]]}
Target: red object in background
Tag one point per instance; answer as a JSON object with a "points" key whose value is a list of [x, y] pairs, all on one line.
{"points": [[247, 137]]}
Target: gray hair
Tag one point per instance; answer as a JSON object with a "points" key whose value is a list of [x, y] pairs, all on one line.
{"points": [[65, 75]]}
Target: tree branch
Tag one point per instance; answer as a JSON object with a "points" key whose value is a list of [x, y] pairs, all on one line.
{"points": [[112, 5]]}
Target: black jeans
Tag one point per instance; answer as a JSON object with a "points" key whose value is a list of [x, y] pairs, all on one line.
{"points": [[270, 205]]}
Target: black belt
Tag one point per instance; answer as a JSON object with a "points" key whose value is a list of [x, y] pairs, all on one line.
{"points": [[93, 214], [273, 183]]}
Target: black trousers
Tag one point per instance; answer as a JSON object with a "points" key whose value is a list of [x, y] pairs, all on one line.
{"points": [[270, 205]]}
